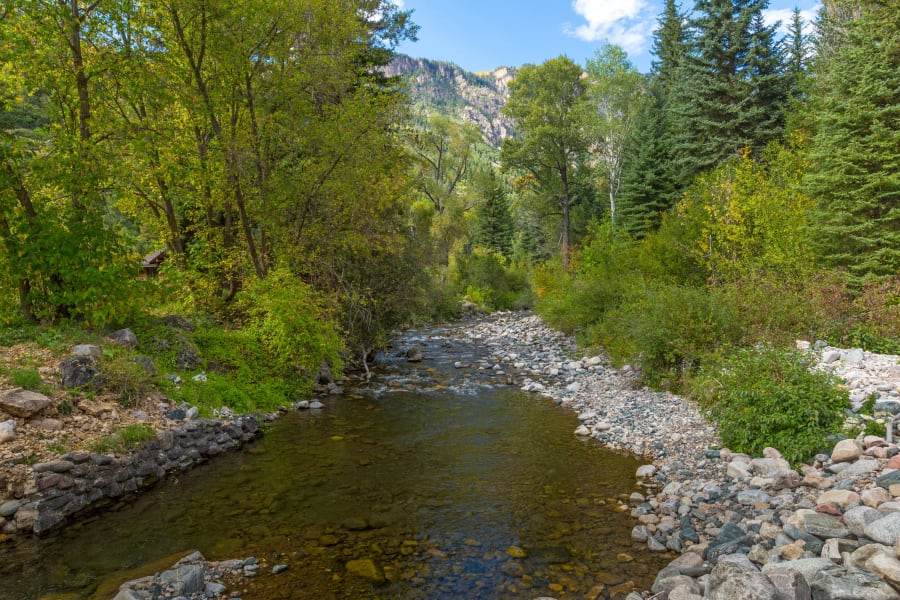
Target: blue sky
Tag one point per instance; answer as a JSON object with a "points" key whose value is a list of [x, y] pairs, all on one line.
{"points": [[480, 35]]}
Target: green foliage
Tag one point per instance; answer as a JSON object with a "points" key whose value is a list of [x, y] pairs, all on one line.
{"points": [[292, 323], [122, 376], [748, 217], [65, 407], [29, 379], [729, 92], [549, 105], [136, 434], [670, 329], [493, 221], [765, 397], [60, 447], [853, 110], [488, 280], [124, 439]]}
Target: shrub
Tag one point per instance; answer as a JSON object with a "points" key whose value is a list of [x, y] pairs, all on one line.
{"points": [[669, 329], [766, 397], [488, 280], [121, 375]]}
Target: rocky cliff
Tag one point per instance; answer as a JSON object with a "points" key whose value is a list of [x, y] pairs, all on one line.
{"points": [[445, 88]]}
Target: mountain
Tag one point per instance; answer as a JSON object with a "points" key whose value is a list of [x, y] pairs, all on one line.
{"points": [[443, 87]]}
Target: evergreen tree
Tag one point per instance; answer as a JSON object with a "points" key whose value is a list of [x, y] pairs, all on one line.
{"points": [[493, 220], [648, 176], [669, 46], [796, 46], [729, 93], [648, 181], [855, 164]]}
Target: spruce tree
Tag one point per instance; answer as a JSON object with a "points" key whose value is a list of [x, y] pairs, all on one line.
{"points": [[669, 45], [648, 177], [796, 47], [494, 224], [728, 94], [648, 182], [855, 163]]}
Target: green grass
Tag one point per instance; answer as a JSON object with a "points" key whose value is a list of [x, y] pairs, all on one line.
{"points": [[122, 440], [27, 378]]}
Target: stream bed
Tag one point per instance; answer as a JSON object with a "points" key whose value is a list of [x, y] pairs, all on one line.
{"points": [[441, 481]]}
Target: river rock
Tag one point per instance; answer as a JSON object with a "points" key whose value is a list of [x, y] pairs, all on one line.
{"points": [[858, 518], [77, 371], [7, 431], [824, 526], [839, 583], [842, 498], [885, 565], [414, 355], [888, 479], [23, 403], [367, 569], [885, 530], [124, 338], [790, 584], [846, 451], [739, 580], [807, 567], [645, 472], [91, 350]]}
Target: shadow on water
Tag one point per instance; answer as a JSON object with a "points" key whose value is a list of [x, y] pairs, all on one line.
{"points": [[440, 494]]}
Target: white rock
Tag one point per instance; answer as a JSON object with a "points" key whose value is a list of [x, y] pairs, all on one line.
{"points": [[645, 472], [7, 431], [583, 431]]}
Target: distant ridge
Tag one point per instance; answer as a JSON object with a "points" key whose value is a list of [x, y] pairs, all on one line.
{"points": [[445, 88]]}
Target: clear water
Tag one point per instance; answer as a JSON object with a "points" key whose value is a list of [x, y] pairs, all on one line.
{"points": [[433, 486]]}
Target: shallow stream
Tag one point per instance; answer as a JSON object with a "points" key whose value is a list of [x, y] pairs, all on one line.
{"points": [[459, 489]]}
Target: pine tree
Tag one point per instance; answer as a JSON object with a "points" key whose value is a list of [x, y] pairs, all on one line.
{"points": [[729, 92], [493, 220], [855, 163]]}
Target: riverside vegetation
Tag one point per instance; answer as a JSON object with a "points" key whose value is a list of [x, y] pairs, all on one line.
{"points": [[693, 223]]}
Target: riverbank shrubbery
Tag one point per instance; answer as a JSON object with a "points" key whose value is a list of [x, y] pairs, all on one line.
{"points": [[489, 280], [767, 397], [729, 267]]}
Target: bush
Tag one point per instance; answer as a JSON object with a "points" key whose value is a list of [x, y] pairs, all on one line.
{"points": [[486, 279], [669, 329], [766, 397], [121, 375]]}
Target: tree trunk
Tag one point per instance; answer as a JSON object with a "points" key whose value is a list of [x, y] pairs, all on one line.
{"points": [[564, 201]]}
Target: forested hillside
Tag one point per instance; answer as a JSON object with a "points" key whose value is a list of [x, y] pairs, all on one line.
{"points": [[445, 88]]}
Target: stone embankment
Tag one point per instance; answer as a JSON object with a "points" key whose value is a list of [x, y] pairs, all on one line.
{"points": [[743, 527], [79, 482]]}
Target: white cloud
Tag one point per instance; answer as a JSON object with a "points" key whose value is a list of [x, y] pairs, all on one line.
{"points": [[399, 3], [628, 23], [786, 15]]}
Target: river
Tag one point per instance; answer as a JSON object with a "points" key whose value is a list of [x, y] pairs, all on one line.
{"points": [[450, 484]]}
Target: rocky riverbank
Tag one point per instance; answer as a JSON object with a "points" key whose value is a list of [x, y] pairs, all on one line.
{"points": [[744, 527]]}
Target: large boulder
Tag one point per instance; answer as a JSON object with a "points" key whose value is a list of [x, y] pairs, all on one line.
{"points": [[77, 371], [23, 403], [846, 451]]}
